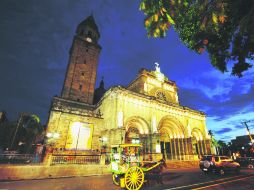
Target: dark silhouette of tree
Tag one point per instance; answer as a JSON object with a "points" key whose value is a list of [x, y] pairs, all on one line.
{"points": [[21, 135], [223, 28], [7, 129], [222, 146], [32, 128]]}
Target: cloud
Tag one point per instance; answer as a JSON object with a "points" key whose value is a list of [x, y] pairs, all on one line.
{"points": [[227, 101], [223, 130], [225, 137]]}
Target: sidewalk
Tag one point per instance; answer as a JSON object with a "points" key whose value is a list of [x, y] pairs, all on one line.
{"points": [[20, 172]]}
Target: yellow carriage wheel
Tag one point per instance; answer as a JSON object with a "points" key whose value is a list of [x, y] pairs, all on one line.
{"points": [[134, 178], [115, 179]]}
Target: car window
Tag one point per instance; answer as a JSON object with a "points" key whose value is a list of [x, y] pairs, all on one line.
{"points": [[209, 158], [224, 158]]}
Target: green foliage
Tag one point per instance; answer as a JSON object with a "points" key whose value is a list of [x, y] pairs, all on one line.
{"points": [[32, 123], [223, 28], [31, 130], [26, 131]]}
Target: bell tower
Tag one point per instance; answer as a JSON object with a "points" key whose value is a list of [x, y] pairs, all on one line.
{"points": [[81, 73]]}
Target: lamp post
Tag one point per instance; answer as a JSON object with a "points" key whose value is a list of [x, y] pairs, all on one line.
{"points": [[16, 130], [248, 130]]}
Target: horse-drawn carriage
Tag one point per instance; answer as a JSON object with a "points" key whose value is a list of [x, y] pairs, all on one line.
{"points": [[127, 167]]}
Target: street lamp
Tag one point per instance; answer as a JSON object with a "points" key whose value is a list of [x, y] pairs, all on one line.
{"points": [[51, 138]]}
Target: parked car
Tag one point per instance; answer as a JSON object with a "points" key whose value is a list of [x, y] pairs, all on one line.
{"points": [[246, 162], [218, 164]]}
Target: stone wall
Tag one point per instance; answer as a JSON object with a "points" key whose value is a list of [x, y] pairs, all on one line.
{"points": [[10, 172]]}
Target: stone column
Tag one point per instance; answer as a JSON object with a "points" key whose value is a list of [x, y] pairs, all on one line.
{"points": [[204, 147], [208, 146], [183, 149], [186, 147], [155, 140], [200, 147], [177, 148], [174, 148], [189, 143], [198, 144], [171, 149]]}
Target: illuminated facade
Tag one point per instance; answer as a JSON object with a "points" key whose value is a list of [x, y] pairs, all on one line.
{"points": [[146, 112]]}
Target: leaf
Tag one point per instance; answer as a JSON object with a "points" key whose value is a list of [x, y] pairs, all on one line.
{"points": [[36, 118], [142, 6], [222, 18], [155, 18], [214, 17], [171, 21]]}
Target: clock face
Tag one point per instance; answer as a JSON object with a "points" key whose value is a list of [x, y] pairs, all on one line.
{"points": [[161, 96], [88, 39]]}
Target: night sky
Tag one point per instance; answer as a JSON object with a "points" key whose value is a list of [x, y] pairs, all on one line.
{"points": [[35, 38]]}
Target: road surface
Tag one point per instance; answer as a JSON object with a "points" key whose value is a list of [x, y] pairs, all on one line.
{"points": [[179, 179]]}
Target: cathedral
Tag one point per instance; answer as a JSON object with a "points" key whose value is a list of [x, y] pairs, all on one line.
{"points": [[147, 111]]}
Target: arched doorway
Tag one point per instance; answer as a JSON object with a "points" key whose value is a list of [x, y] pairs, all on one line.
{"points": [[166, 143], [198, 145], [171, 138]]}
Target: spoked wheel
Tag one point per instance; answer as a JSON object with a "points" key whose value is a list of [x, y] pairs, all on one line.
{"points": [[115, 179], [134, 178]]}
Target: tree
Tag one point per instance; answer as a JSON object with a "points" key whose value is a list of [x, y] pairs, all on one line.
{"points": [[214, 142], [223, 28], [7, 130], [22, 134], [222, 146], [31, 130]]}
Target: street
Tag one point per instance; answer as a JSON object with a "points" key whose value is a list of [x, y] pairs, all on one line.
{"points": [[172, 179]]}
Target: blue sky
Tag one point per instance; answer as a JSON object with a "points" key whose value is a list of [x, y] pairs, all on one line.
{"points": [[36, 36]]}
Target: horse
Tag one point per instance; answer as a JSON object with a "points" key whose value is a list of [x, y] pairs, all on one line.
{"points": [[155, 173]]}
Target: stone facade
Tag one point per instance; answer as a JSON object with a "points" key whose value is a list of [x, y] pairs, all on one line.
{"points": [[159, 123], [147, 111]]}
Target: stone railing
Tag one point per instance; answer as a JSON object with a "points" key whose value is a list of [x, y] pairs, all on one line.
{"points": [[75, 159], [20, 159]]}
